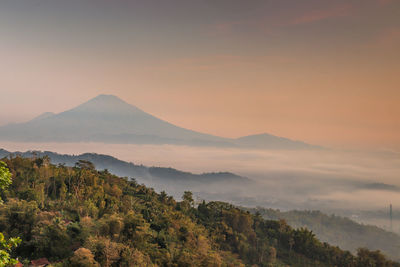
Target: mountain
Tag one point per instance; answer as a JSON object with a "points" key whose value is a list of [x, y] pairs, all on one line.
{"points": [[108, 119], [269, 141], [105, 118], [43, 116], [83, 217]]}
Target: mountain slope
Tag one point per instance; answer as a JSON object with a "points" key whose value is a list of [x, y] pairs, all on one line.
{"points": [[271, 142], [82, 217], [108, 119], [43, 116], [104, 118], [340, 231]]}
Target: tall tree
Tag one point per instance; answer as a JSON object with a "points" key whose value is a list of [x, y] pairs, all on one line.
{"points": [[6, 245]]}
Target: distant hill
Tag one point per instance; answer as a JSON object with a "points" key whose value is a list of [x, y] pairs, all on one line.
{"points": [[269, 141], [339, 231], [108, 119], [160, 178]]}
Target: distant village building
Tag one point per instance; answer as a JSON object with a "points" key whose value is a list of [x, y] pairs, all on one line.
{"points": [[39, 263]]}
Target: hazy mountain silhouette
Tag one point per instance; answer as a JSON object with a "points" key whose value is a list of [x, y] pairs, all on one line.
{"points": [[108, 119], [43, 116], [271, 142]]}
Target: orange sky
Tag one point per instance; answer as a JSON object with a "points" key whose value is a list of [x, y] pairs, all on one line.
{"points": [[323, 72]]}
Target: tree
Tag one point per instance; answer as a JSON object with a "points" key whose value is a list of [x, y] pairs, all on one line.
{"points": [[163, 197], [6, 245], [370, 258], [187, 202], [85, 164], [106, 252], [83, 258], [5, 177], [188, 197]]}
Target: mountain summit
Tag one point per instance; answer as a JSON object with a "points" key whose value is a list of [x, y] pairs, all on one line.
{"points": [[106, 104], [108, 119]]}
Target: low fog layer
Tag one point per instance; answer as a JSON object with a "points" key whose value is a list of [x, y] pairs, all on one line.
{"points": [[344, 182]]}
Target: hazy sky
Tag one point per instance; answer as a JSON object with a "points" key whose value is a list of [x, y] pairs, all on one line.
{"points": [[326, 72]]}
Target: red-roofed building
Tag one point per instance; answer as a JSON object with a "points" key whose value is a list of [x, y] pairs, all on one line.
{"points": [[39, 262]]}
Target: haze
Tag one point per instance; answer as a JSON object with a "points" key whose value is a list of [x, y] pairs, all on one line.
{"points": [[316, 179], [324, 72]]}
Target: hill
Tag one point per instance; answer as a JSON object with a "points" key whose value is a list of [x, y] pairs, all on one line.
{"points": [[339, 231], [269, 141], [108, 119], [77, 216], [174, 181]]}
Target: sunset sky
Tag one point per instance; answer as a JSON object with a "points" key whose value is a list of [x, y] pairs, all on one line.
{"points": [[325, 72]]}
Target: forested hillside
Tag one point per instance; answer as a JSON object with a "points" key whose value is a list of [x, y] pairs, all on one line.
{"points": [[77, 216], [157, 177], [339, 231]]}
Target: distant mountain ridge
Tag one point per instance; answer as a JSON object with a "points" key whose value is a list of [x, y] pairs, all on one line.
{"points": [[271, 142], [108, 119], [43, 116], [154, 176]]}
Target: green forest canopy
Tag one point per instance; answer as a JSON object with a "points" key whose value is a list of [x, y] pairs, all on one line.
{"points": [[340, 231], [77, 216]]}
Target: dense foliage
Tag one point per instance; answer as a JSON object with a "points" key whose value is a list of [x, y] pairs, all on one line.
{"points": [[6, 245], [339, 231], [82, 217]]}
